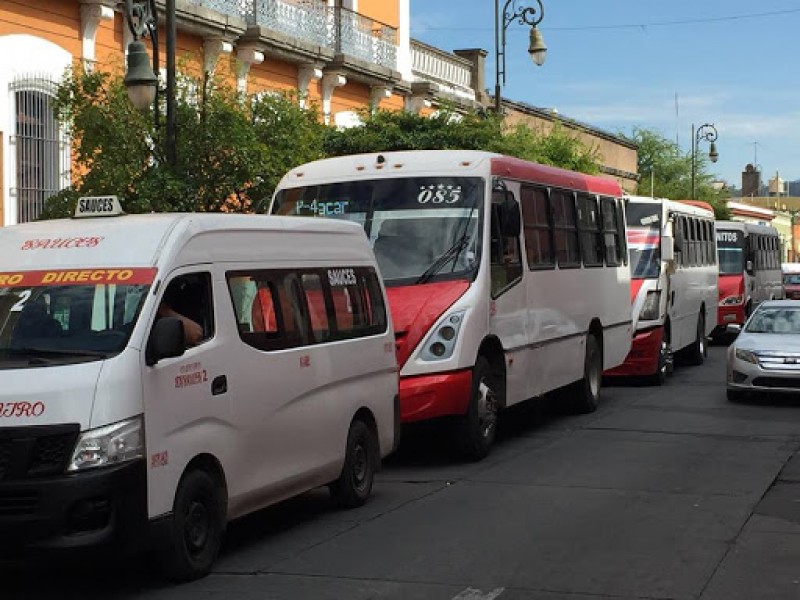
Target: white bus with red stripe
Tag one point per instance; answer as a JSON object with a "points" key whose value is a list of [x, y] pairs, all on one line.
{"points": [[749, 270], [673, 284], [488, 311]]}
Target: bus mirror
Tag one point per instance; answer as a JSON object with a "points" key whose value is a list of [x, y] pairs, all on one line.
{"points": [[511, 218], [748, 266], [667, 248], [166, 340]]}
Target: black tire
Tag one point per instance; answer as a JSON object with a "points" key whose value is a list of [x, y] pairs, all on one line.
{"points": [[354, 485], [476, 430], [664, 368], [698, 351], [196, 527], [585, 394]]}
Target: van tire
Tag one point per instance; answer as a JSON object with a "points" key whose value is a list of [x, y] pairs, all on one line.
{"points": [[585, 393], [698, 351], [354, 484], [196, 527], [476, 430]]}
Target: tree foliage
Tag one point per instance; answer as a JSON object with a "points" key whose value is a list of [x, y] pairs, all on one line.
{"points": [[232, 151], [666, 172]]}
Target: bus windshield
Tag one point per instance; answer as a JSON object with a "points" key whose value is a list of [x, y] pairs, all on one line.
{"points": [[421, 228], [644, 239], [48, 325], [730, 251]]}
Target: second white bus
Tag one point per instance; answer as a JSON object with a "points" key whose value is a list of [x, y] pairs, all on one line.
{"points": [[506, 279], [674, 284]]}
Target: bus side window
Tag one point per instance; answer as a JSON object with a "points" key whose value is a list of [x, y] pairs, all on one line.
{"points": [[506, 254]]}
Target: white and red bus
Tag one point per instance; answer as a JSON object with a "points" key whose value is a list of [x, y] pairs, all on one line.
{"points": [[506, 279], [749, 270], [673, 284]]}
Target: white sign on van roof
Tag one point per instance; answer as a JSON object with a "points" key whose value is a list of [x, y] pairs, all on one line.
{"points": [[98, 206]]}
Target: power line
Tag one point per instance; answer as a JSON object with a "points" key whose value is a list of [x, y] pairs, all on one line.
{"points": [[640, 25]]}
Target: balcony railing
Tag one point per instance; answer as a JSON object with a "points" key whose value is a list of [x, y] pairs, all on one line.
{"points": [[312, 21], [448, 70]]}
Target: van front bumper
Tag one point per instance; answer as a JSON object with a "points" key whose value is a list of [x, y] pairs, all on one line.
{"points": [[431, 396], [75, 510]]}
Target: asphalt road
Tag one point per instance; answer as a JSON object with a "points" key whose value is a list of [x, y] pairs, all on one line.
{"points": [[665, 492]]}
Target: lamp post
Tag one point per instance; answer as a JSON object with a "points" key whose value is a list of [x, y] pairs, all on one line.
{"points": [[708, 133], [140, 79], [525, 15]]}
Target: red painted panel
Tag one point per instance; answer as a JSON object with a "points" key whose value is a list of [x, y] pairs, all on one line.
{"points": [[515, 168]]}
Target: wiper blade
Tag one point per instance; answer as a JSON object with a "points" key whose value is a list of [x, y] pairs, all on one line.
{"points": [[451, 252]]}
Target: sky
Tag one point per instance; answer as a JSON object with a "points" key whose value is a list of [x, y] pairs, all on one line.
{"points": [[654, 64]]}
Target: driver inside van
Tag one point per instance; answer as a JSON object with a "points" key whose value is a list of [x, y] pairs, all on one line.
{"points": [[192, 331]]}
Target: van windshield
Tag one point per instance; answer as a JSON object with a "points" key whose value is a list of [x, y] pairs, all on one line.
{"points": [[51, 318], [421, 228]]}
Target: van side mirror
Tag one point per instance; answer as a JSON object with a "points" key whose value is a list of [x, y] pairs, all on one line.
{"points": [[166, 340], [667, 248]]}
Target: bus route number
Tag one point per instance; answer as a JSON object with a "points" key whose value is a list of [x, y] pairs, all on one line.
{"points": [[439, 194], [727, 236]]}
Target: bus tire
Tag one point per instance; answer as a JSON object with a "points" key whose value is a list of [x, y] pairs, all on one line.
{"points": [[476, 430], [699, 348], [664, 368], [194, 535], [586, 392], [354, 485]]}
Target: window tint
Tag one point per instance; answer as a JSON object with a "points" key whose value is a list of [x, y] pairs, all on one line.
{"points": [[566, 230], [190, 297], [536, 222], [287, 308], [611, 235], [591, 235]]}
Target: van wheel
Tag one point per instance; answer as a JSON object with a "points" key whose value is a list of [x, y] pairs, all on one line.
{"points": [[699, 349], [358, 472], [586, 392], [476, 430], [196, 527]]}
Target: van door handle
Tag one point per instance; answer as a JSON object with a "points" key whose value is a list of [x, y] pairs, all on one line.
{"points": [[219, 385]]}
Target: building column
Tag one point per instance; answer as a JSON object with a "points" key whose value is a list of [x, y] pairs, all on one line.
{"points": [[306, 73], [376, 94], [92, 12], [330, 81], [247, 57], [213, 48]]}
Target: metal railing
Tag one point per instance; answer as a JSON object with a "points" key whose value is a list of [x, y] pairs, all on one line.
{"points": [[313, 21], [451, 71]]}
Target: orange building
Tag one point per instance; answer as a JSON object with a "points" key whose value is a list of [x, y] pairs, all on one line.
{"points": [[343, 55]]}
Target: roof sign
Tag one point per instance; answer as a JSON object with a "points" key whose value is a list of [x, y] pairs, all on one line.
{"points": [[98, 206]]}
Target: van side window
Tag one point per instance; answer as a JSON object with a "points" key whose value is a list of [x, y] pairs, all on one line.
{"points": [[189, 297], [288, 308]]}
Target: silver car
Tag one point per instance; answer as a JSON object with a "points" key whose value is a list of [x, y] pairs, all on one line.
{"points": [[765, 357]]}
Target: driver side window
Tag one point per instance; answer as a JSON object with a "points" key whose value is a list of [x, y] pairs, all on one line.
{"points": [[188, 297], [506, 253]]}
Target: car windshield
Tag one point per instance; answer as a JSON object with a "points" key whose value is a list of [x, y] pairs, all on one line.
{"points": [[791, 279], [774, 320], [644, 239], [730, 251], [421, 228], [50, 318]]}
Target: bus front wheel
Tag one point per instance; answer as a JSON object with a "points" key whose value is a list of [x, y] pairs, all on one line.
{"points": [[476, 430]]}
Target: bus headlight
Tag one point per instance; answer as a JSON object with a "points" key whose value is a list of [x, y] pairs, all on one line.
{"points": [[651, 307], [732, 301], [109, 445], [442, 341]]}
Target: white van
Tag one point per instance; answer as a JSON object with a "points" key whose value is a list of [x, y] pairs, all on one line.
{"points": [[167, 373]]}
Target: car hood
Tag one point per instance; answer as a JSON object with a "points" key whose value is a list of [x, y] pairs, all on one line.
{"points": [[769, 342]]}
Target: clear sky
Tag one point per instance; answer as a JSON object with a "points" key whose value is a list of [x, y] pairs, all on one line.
{"points": [[620, 64]]}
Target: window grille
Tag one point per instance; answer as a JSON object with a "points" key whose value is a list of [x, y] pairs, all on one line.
{"points": [[40, 146]]}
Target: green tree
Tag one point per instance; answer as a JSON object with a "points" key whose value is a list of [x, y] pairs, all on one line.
{"points": [[231, 153], [666, 172]]}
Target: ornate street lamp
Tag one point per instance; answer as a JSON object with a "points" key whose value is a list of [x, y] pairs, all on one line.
{"points": [[140, 79], [525, 15], [708, 133]]}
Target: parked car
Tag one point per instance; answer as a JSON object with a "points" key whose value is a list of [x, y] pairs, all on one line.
{"points": [[765, 357]]}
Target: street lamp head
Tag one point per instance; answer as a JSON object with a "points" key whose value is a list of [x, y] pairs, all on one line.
{"points": [[713, 155], [140, 79], [537, 48]]}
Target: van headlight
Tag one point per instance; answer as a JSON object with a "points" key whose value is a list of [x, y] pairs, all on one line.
{"points": [[650, 309], [442, 341], [732, 301], [109, 445]]}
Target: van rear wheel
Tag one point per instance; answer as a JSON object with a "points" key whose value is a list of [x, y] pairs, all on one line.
{"points": [[196, 527], [354, 484]]}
